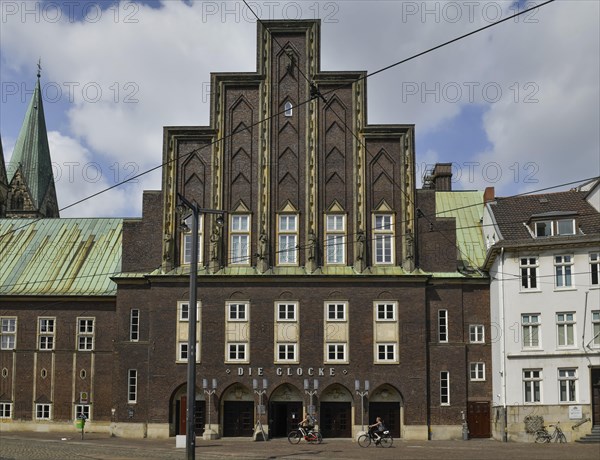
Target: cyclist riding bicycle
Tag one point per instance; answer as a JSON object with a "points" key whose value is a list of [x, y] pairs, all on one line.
{"points": [[308, 423], [377, 429]]}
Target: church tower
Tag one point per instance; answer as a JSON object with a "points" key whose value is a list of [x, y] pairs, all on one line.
{"points": [[31, 189]]}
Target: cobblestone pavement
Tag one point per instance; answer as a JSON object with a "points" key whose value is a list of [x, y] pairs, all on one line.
{"points": [[57, 446]]}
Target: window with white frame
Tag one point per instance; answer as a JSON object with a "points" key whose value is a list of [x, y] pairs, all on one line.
{"points": [[594, 265], [182, 351], [239, 239], [443, 326], [528, 267], [563, 266], [237, 311], [444, 388], [565, 227], [477, 371], [46, 333], [288, 239], [530, 325], [336, 352], [85, 334], [565, 324], [383, 239], [596, 328], [532, 384], [385, 311], [336, 311], [335, 239], [5, 410], [236, 352], [8, 333], [476, 333], [186, 240], [286, 311], [134, 325], [386, 352], [82, 409], [132, 385], [286, 352], [543, 228], [567, 382], [43, 411]]}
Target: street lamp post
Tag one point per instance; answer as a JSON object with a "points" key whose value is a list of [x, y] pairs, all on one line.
{"points": [[208, 434], [362, 394], [261, 408], [311, 393], [192, 317]]}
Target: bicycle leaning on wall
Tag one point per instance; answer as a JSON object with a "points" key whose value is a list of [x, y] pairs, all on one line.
{"points": [[557, 435]]}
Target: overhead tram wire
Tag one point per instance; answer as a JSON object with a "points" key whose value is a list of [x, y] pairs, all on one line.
{"points": [[279, 113]]}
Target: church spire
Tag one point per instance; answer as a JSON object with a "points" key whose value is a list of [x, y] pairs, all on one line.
{"points": [[31, 181], [3, 184]]}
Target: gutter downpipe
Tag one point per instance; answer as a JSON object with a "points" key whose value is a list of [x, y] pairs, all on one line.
{"points": [[503, 346]]}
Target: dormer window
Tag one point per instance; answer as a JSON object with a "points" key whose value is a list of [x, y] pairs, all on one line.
{"points": [[543, 228], [565, 227], [554, 227]]}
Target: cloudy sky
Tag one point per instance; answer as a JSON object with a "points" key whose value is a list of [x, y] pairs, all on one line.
{"points": [[515, 106]]}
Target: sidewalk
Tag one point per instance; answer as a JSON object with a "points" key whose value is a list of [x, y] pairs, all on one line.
{"points": [[66, 446]]}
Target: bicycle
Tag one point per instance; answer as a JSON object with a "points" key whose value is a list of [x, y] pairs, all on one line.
{"points": [[311, 436], [385, 439], [542, 434]]}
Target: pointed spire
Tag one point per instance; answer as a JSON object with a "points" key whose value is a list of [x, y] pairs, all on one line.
{"points": [[31, 156], [3, 176], [3, 184]]}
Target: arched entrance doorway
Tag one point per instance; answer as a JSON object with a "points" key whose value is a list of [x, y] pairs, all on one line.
{"points": [[285, 410], [178, 412], [386, 402], [336, 412], [238, 411]]}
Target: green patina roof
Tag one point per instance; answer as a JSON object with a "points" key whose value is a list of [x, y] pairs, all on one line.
{"points": [[467, 208], [59, 257], [32, 152]]}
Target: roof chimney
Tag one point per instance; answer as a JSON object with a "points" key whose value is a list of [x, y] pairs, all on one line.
{"points": [[489, 194], [442, 177]]}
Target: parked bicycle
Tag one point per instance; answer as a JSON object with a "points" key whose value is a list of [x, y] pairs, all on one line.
{"points": [[312, 436], [385, 440], [542, 435]]}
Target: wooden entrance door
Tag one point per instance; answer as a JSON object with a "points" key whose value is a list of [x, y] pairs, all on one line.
{"points": [[238, 419], [336, 420], [595, 375], [181, 416], [478, 419], [389, 412], [284, 417]]}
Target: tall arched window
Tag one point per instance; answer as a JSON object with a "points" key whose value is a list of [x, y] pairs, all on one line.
{"points": [[288, 109]]}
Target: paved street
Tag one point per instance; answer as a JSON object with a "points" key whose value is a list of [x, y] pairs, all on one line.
{"points": [[57, 446]]}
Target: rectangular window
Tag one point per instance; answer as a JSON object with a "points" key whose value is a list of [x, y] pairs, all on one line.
{"points": [[594, 265], [565, 323], [565, 227], [186, 238], [532, 381], [46, 331], [336, 311], [288, 239], [238, 311], [567, 381], [335, 239], [236, 351], [336, 352], [8, 333], [443, 325], [383, 236], [134, 325], [528, 266], [286, 352], [386, 352], [182, 351], [543, 228], [132, 377], [596, 328], [286, 312], [562, 269], [240, 239], [85, 334], [445, 388], [386, 311], [43, 411], [476, 333], [184, 311], [477, 371], [82, 410], [5, 410], [531, 331]]}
